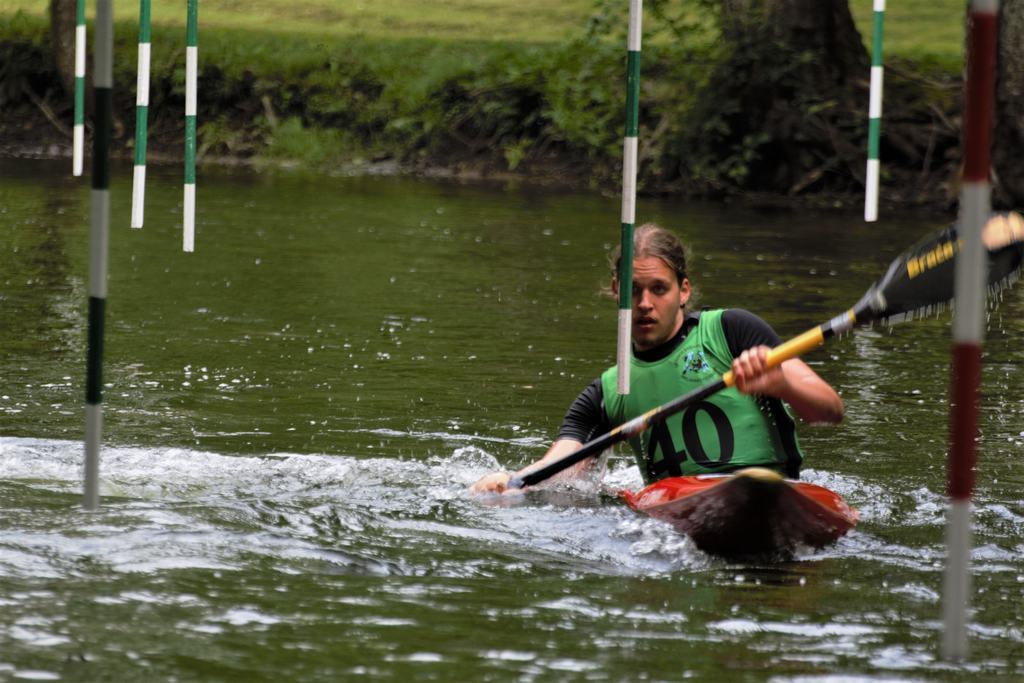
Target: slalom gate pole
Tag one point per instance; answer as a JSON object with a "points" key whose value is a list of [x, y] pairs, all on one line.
{"points": [[629, 163], [874, 116], [969, 321], [99, 230], [191, 77], [78, 144], [141, 116]]}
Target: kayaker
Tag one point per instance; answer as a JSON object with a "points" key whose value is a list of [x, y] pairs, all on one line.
{"points": [[675, 350]]}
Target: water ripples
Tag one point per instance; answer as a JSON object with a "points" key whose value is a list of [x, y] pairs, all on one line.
{"points": [[223, 545]]}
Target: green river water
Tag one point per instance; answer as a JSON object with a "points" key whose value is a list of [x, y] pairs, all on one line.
{"points": [[293, 414]]}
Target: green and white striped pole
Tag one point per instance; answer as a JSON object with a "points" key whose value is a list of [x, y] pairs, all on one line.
{"points": [[874, 116], [78, 146], [191, 76], [629, 162], [141, 116], [99, 230]]}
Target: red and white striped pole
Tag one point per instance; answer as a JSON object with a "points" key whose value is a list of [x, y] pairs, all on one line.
{"points": [[969, 322]]}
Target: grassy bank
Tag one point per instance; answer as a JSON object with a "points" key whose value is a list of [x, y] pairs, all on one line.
{"points": [[473, 86], [929, 30], [918, 31], [526, 21], [915, 29]]}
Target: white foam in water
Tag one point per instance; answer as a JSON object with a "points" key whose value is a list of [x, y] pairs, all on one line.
{"points": [[176, 508], [806, 629], [207, 510], [35, 675], [623, 476], [169, 508], [176, 472]]}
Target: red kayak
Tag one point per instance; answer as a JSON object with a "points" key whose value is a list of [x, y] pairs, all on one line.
{"points": [[754, 512]]}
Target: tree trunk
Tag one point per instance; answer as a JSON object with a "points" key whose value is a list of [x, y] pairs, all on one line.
{"points": [[822, 30], [62, 37], [1008, 141], [781, 113]]}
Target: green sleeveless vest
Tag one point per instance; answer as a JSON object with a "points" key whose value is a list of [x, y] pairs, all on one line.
{"points": [[724, 432]]}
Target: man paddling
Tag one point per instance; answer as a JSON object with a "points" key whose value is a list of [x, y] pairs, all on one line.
{"points": [[676, 350]]}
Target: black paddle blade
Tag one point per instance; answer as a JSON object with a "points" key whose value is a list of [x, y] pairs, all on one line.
{"points": [[920, 280]]}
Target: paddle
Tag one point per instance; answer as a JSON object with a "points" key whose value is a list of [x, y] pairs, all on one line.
{"points": [[918, 281]]}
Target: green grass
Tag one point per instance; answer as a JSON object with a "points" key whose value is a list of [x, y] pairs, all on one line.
{"points": [[452, 20], [928, 32], [919, 30]]}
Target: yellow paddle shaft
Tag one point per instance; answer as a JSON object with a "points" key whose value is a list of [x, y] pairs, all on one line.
{"points": [[793, 348]]}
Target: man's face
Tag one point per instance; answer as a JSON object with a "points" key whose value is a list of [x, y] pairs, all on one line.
{"points": [[658, 301]]}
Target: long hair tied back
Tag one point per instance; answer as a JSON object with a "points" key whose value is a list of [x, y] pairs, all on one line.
{"points": [[652, 240]]}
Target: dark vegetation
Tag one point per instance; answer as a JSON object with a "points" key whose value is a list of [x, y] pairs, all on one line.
{"points": [[719, 118]]}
